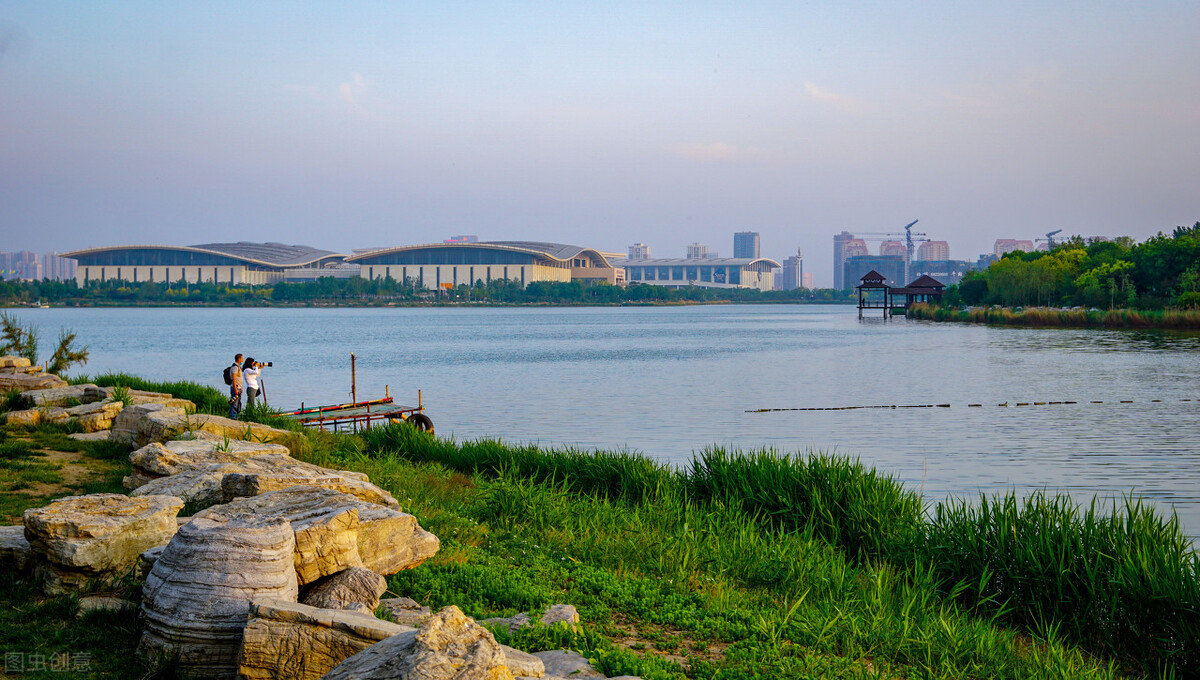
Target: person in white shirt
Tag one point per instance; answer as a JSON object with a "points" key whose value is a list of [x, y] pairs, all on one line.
{"points": [[250, 373]]}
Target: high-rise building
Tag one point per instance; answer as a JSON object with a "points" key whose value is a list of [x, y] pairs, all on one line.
{"points": [[697, 251], [839, 257], [890, 266], [1007, 245], [21, 265], [933, 250], [892, 248], [807, 280], [57, 268], [746, 244], [639, 251], [792, 274]]}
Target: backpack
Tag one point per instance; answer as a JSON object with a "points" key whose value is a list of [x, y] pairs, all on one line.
{"points": [[228, 375]]}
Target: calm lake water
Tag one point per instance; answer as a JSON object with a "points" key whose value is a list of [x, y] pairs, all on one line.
{"points": [[667, 381]]}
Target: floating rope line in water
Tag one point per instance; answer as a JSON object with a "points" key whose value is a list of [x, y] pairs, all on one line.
{"points": [[896, 406]]}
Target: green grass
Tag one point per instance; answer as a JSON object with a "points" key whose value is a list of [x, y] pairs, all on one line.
{"points": [[207, 399]]}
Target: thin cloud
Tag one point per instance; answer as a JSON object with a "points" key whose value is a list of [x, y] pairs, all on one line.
{"points": [[349, 92], [716, 151], [824, 96]]}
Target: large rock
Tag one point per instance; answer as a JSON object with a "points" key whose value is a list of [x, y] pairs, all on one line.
{"points": [[98, 537], [35, 416], [448, 645], [142, 424], [156, 460], [325, 523], [201, 485], [564, 663], [24, 382], [142, 397], [405, 611], [390, 541], [95, 416], [60, 396], [555, 613], [385, 540], [345, 588], [287, 641], [9, 361], [15, 554], [284, 474], [197, 596]]}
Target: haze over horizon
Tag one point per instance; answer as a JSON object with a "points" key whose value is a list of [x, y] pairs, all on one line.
{"points": [[369, 124]]}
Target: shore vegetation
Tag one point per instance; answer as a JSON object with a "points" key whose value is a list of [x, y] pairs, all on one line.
{"points": [[738, 565]]}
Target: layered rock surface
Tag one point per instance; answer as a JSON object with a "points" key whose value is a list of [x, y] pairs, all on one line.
{"points": [[197, 596], [81, 538], [336, 531], [143, 424], [448, 645], [24, 382], [15, 553], [285, 640], [157, 459], [352, 586]]}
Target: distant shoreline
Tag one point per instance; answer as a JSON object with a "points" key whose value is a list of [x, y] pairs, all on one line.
{"points": [[1047, 317]]}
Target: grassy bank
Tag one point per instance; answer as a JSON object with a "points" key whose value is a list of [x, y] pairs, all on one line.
{"points": [[1172, 319], [752, 565]]}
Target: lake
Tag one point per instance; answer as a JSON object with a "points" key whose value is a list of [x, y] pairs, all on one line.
{"points": [[668, 381]]}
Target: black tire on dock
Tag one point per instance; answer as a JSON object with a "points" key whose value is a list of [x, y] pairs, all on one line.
{"points": [[421, 422]]}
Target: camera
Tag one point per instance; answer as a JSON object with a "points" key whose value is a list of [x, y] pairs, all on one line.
{"points": [[269, 363]]}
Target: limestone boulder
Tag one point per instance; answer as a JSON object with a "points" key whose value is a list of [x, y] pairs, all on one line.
{"points": [[200, 486], [9, 361], [156, 460], [286, 641], [96, 416], [80, 539], [147, 559], [196, 599], [565, 663], [284, 474], [355, 585], [391, 541], [35, 416], [25, 382], [555, 613], [448, 645], [405, 611], [143, 397], [103, 603], [97, 436], [325, 523], [60, 396], [15, 554], [142, 424]]}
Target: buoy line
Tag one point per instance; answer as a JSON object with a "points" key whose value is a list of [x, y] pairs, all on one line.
{"points": [[897, 406]]}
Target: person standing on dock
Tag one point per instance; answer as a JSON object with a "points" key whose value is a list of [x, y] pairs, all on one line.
{"points": [[233, 377]]}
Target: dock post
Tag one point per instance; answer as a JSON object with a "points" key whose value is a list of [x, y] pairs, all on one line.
{"points": [[353, 381]]}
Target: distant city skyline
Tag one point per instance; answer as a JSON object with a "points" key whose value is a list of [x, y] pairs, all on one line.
{"points": [[662, 123]]}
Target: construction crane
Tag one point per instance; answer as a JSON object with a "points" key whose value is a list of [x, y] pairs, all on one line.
{"points": [[910, 240], [1049, 239]]}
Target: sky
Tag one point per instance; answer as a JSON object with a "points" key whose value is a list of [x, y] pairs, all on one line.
{"points": [[362, 124]]}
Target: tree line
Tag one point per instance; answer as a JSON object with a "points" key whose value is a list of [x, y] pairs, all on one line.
{"points": [[356, 290], [1158, 273]]}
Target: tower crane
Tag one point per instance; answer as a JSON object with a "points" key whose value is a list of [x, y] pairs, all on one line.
{"points": [[1049, 239], [910, 240]]}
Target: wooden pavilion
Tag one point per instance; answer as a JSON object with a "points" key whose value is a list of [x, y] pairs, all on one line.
{"points": [[871, 282]]}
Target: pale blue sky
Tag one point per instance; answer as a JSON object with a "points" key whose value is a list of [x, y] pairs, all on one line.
{"points": [[356, 124]]}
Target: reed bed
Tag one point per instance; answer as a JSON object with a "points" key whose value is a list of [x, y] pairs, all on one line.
{"points": [[1125, 583], [1045, 317]]}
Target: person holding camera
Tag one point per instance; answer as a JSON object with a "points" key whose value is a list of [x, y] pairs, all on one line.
{"points": [[251, 370]]}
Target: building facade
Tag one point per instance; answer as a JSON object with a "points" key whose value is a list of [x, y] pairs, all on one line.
{"points": [[891, 267], [241, 263], [24, 265], [893, 248], [446, 265], [697, 251], [746, 245], [1008, 245], [933, 251], [639, 251], [730, 272], [792, 272]]}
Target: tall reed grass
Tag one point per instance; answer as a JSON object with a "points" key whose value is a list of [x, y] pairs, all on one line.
{"points": [[1124, 583], [207, 399], [1044, 317]]}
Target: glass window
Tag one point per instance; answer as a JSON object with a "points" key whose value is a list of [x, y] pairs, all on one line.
{"points": [[706, 274], [677, 273], [692, 274], [649, 273], [735, 275]]}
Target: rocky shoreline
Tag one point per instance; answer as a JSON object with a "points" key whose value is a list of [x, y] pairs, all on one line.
{"points": [[279, 574]]}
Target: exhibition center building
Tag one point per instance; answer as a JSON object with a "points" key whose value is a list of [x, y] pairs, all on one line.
{"points": [[231, 263], [446, 265]]}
